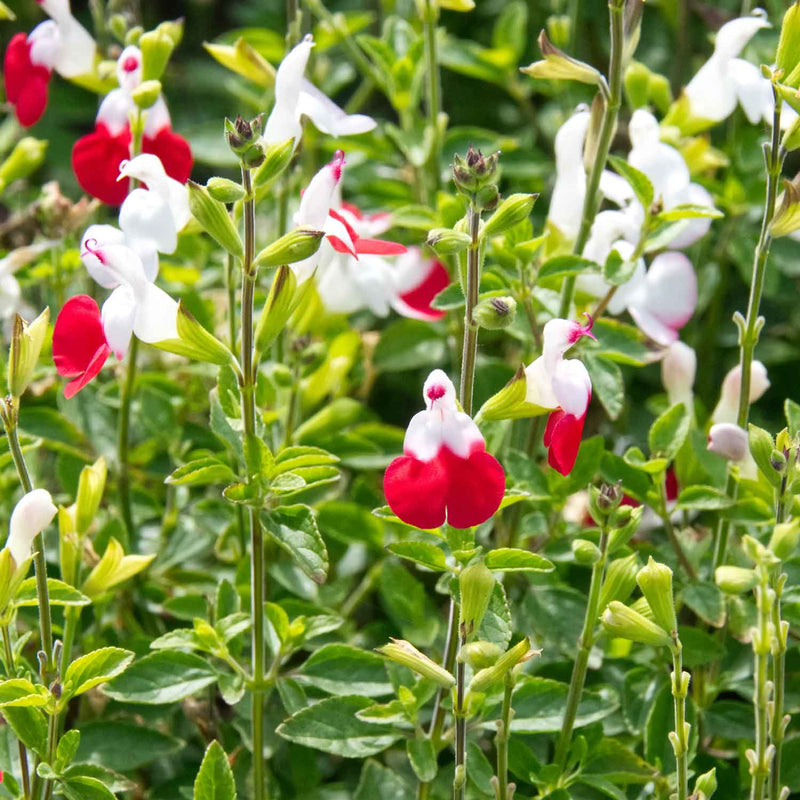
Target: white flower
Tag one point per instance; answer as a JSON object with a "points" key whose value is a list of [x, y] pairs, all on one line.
{"points": [[678, 370], [727, 409], [729, 441], [32, 514], [569, 190], [61, 43]]}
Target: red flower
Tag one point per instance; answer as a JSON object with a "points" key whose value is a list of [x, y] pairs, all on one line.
{"points": [[446, 475], [563, 436], [416, 301], [25, 82], [79, 344]]}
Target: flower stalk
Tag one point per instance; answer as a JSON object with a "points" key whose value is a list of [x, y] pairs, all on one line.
{"points": [[502, 789], [679, 738], [460, 714], [8, 655], [430, 16], [470, 346]]}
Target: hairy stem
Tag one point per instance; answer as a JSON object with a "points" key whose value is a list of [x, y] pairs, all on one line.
{"points": [[585, 643], [760, 757], [680, 739], [123, 440], [501, 740], [23, 752], [470, 348], [663, 512], [460, 778], [591, 202]]}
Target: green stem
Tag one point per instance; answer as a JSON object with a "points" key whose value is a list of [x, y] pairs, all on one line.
{"points": [[23, 753], [779, 720], [591, 202], [470, 348], [256, 534], [759, 757], [680, 740], [429, 18], [585, 643], [230, 287], [501, 740], [123, 441], [460, 778], [52, 741]]}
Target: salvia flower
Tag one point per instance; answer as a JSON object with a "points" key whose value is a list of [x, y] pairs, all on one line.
{"points": [[32, 514], [61, 44], [678, 370], [727, 409], [445, 474], [296, 97], [96, 157], [564, 385], [729, 441]]}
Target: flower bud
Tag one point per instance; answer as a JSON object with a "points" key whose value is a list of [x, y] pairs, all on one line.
{"points": [[25, 158], [173, 28], [243, 139], [510, 402], [585, 552], [486, 198], [405, 653], [475, 172], [728, 440], [480, 655], [660, 92], [735, 580], [655, 581], [133, 35], [146, 93], [728, 406], [32, 514], [620, 578], [214, 219], [756, 551], [785, 538], [637, 84], [558, 29], [279, 306], [557, 65], [91, 484], [706, 784], [513, 210], [224, 190], [788, 55], [297, 245], [276, 159], [118, 25], [777, 461], [446, 241], [678, 370], [26, 345], [476, 584], [624, 523], [486, 678], [194, 341], [156, 47], [495, 313], [625, 623]]}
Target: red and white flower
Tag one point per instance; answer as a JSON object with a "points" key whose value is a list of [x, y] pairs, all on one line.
{"points": [[445, 474], [96, 157], [61, 44], [296, 97], [563, 385]]}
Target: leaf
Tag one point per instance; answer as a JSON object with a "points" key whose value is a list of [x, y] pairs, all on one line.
{"points": [[614, 761], [294, 528], [83, 787], [407, 604], [302, 456], [607, 384], [539, 705], [510, 559], [423, 553], [669, 431], [94, 668], [380, 783], [123, 746], [201, 472], [333, 727], [699, 647], [790, 764], [342, 669], [349, 522], [761, 447], [166, 676], [563, 266], [422, 757], [703, 498], [792, 413], [638, 181], [479, 770], [617, 270], [707, 601], [30, 727], [689, 211], [214, 779], [21, 692], [409, 344], [61, 594]]}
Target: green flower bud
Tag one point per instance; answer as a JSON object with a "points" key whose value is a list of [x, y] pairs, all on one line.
{"points": [[619, 580], [475, 173], [510, 402], [735, 580], [585, 552], [476, 584], [637, 84], [91, 484], [405, 653], [133, 35], [146, 93], [557, 65], [625, 623], [655, 581], [25, 158], [756, 551], [624, 523], [276, 159], [446, 242], [495, 313], [480, 655], [785, 538], [156, 47], [706, 784], [511, 211], [558, 29], [490, 676], [603, 500], [660, 92], [297, 245], [173, 28], [224, 190], [243, 138], [277, 309], [214, 219], [194, 341], [26, 345], [486, 197], [118, 25], [788, 55]]}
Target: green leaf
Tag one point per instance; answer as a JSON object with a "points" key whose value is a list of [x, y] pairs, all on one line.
{"points": [[407, 604], [618, 270], [669, 431], [792, 412], [349, 522], [167, 676], [423, 553], [564, 266], [703, 498], [82, 787], [380, 783], [123, 746], [342, 669], [614, 761], [66, 749], [21, 692], [761, 446], [201, 472], [607, 384], [699, 647], [215, 779], [61, 594], [94, 668], [638, 181], [30, 727], [333, 727], [707, 601], [479, 769], [291, 458], [422, 757], [539, 705], [294, 528], [510, 559], [688, 211], [409, 344]]}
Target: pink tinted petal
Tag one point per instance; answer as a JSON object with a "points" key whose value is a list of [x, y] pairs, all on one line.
{"points": [[338, 245], [379, 247], [416, 491], [92, 369], [563, 438], [418, 300], [475, 487]]}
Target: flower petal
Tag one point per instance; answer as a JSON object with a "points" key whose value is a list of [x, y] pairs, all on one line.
{"points": [[25, 83], [146, 215], [173, 151], [156, 315], [327, 116], [475, 487], [563, 438], [416, 491], [572, 387], [119, 312], [419, 280], [95, 161], [79, 343], [98, 237]]}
